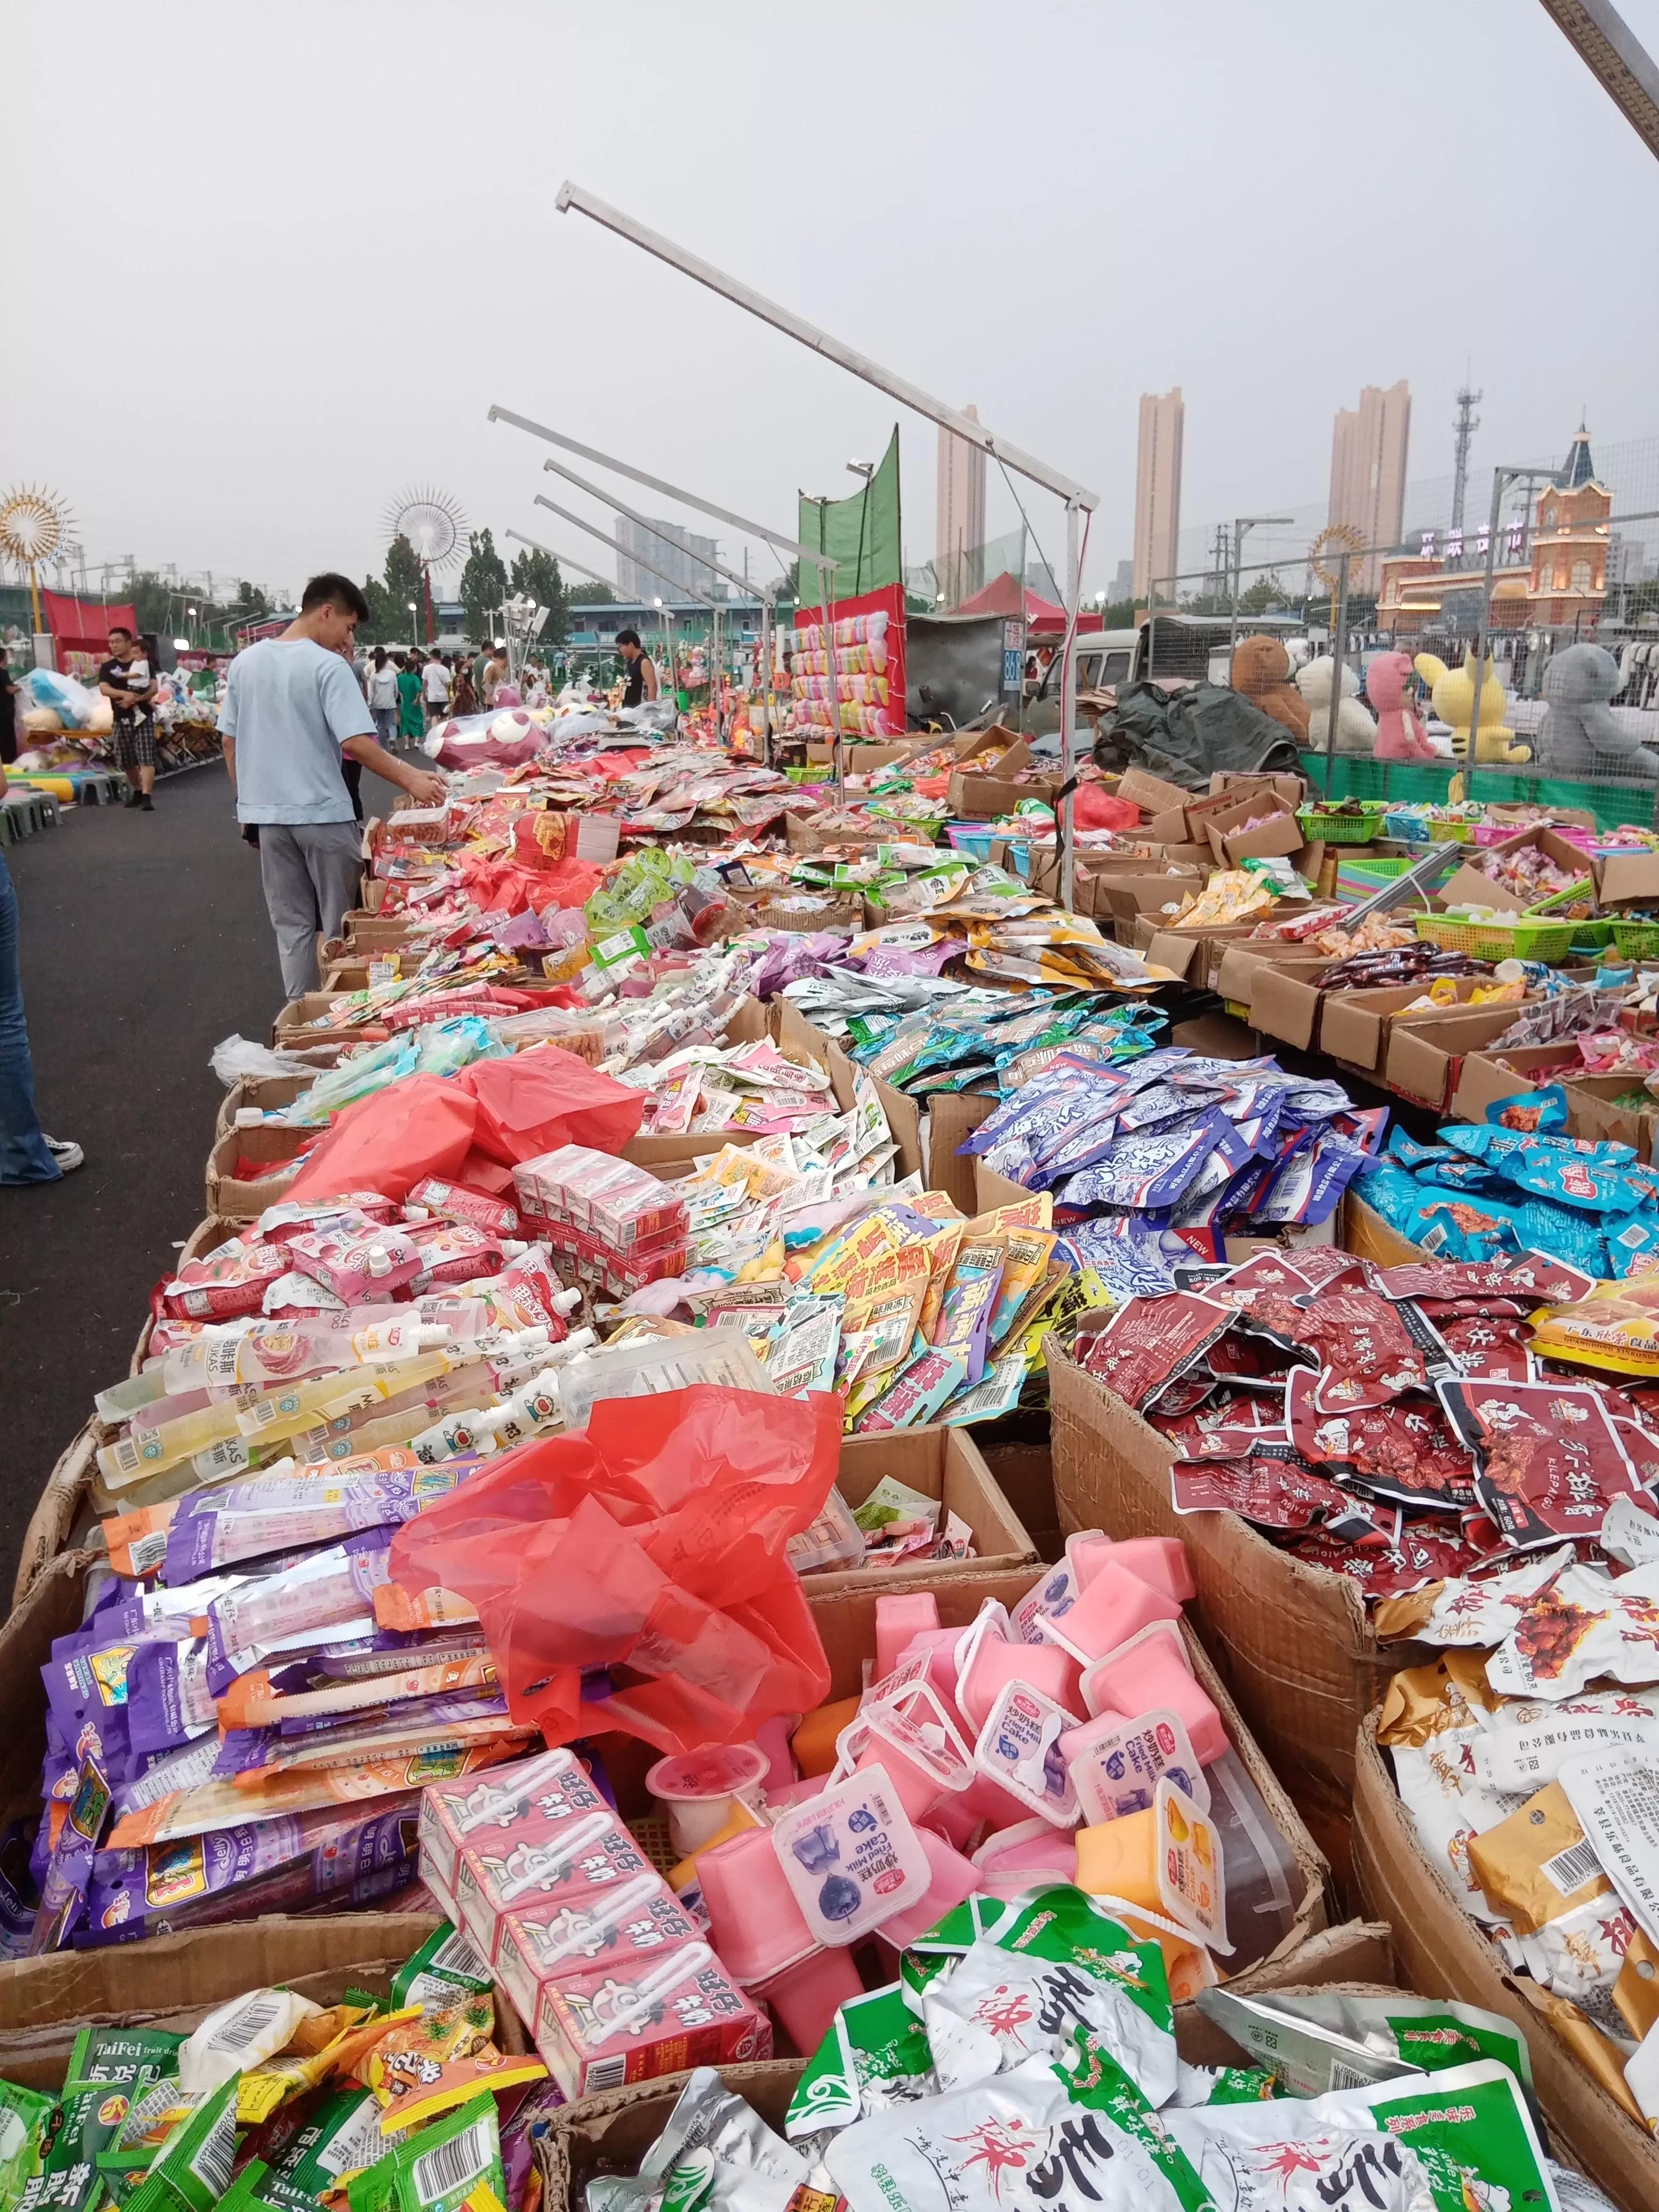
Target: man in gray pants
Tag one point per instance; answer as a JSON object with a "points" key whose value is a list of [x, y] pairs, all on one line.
{"points": [[292, 708]]}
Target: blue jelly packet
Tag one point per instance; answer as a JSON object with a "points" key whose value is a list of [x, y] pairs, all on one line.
{"points": [[1534, 1113], [1451, 1233], [1410, 1154]]}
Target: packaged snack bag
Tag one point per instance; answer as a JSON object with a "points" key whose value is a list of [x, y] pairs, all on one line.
{"points": [[875, 2056]]}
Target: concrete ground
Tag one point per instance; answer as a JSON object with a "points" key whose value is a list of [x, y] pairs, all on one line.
{"points": [[144, 942]]}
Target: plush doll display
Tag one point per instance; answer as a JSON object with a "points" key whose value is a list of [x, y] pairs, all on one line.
{"points": [[1356, 732], [1581, 735], [1452, 690], [1399, 735], [1260, 670]]}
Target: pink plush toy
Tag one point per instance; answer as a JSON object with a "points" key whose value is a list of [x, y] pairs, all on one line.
{"points": [[1399, 735]]}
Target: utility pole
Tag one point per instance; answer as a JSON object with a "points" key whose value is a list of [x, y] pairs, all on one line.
{"points": [[1468, 423], [1221, 561]]}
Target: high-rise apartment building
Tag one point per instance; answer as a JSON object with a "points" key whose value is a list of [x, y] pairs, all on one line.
{"points": [[1368, 473], [1157, 495], [961, 515], [679, 561]]}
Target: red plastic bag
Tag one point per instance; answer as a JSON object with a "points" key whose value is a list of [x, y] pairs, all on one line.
{"points": [[546, 1098], [652, 1543], [1095, 808], [389, 1141]]}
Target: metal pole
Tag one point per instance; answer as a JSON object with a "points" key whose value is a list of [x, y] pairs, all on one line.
{"points": [[1064, 851], [1500, 478], [1238, 578], [1338, 654]]}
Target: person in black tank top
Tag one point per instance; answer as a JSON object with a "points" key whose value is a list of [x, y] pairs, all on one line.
{"points": [[642, 680]]}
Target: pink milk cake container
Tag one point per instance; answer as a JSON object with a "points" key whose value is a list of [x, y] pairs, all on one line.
{"points": [[602, 2030]]}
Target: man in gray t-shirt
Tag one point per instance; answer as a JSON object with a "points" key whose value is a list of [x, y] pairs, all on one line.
{"points": [[292, 709]]}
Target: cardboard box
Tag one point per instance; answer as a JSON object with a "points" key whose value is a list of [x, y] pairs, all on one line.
{"points": [[1628, 878], [62, 1512], [1294, 1641], [611, 2132], [273, 1150], [292, 1026], [264, 1092], [1276, 837], [952, 1118], [864, 760], [1151, 793], [1425, 1051], [1355, 1026], [1485, 1078], [977, 798], [941, 1463], [1441, 1952], [1120, 899], [1292, 789], [1466, 885], [366, 932], [801, 833], [1253, 975], [848, 1625]]}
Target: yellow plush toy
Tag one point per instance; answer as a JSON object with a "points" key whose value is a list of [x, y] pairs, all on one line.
{"points": [[1453, 692]]}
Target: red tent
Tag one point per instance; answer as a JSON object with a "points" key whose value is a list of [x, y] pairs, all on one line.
{"points": [[80, 626], [1001, 596]]}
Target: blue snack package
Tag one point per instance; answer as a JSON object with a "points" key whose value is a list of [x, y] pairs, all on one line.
{"points": [[1411, 1154], [1535, 1113]]}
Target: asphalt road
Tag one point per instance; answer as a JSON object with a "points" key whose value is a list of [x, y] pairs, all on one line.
{"points": [[144, 942]]}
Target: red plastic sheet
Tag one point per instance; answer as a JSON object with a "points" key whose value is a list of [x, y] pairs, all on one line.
{"points": [[653, 1542], [537, 1100], [389, 1141]]}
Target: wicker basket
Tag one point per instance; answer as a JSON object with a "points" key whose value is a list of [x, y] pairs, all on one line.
{"points": [[1549, 941]]}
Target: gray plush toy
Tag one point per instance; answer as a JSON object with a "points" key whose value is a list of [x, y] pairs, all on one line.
{"points": [[1581, 736]]}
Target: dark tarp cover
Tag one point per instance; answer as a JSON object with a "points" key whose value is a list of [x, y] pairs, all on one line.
{"points": [[1185, 736]]}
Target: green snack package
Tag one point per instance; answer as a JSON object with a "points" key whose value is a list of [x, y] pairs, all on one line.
{"points": [[109, 2068], [1464, 2137], [439, 2168], [446, 1966], [875, 2055], [1228, 2085], [191, 2170], [26, 2117], [257, 2189], [950, 1938], [1060, 1962], [340, 2136], [1324, 2040]]}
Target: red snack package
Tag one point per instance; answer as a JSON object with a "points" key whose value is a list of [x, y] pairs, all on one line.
{"points": [[1270, 1486], [1420, 1557], [1404, 1451], [1551, 1461], [1151, 1342], [453, 1252], [229, 1282], [1371, 1350], [456, 1203], [1494, 1346]]}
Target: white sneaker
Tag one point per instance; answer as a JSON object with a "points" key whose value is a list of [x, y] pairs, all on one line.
{"points": [[68, 1156]]}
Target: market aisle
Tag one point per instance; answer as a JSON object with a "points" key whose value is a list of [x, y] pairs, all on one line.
{"points": [[144, 942]]}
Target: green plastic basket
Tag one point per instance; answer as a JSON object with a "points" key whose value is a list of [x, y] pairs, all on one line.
{"points": [[1549, 941], [1336, 829], [1592, 936], [1450, 833], [1636, 940], [1384, 865]]}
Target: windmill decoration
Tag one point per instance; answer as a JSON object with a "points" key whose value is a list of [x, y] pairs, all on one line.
{"points": [[434, 525], [35, 524], [1327, 550]]}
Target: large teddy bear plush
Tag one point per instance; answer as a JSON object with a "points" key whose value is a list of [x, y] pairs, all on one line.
{"points": [[1581, 735], [1399, 735], [1452, 690], [1260, 670], [1356, 732]]}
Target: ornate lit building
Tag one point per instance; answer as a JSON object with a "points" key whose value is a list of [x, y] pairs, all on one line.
{"points": [[1551, 570]]}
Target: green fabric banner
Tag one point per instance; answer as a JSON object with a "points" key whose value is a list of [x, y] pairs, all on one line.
{"points": [[862, 533], [1358, 776]]}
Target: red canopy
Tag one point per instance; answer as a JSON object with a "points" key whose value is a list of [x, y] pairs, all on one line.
{"points": [[1002, 596], [82, 625]]}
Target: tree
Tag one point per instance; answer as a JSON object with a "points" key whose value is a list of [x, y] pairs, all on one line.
{"points": [[250, 603], [1266, 591], [1119, 615], [389, 618], [483, 585], [537, 572]]}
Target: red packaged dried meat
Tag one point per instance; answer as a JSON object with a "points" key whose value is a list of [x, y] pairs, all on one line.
{"points": [[1550, 1460], [1149, 1342], [1370, 1349], [1405, 1451], [1271, 1487]]}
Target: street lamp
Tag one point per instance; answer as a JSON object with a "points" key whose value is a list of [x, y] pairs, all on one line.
{"points": [[414, 631], [668, 641], [1241, 524]]}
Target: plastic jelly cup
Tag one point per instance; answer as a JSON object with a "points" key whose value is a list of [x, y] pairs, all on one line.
{"points": [[954, 1879], [1152, 1677], [756, 1926], [995, 1665], [899, 1619], [814, 1741], [1018, 1858], [698, 1787], [1114, 1606], [806, 1997], [1160, 1560]]}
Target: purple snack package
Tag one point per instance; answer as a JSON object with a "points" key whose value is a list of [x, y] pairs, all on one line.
{"points": [[137, 1891], [168, 1697], [69, 1870]]}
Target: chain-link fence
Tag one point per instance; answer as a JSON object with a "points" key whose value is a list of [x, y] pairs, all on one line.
{"points": [[1555, 559]]}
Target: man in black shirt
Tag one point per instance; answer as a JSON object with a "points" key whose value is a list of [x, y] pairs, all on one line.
{"points": [[126, 681], [641, 683]]}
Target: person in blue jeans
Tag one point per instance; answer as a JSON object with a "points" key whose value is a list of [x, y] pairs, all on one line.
{"points": [[26, 1153]]}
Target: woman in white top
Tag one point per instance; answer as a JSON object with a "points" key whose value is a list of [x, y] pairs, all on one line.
{"points": [[381, 688], [435, 677]]}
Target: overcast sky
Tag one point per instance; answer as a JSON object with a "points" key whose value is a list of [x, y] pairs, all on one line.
{"points": [[269, 264]]}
